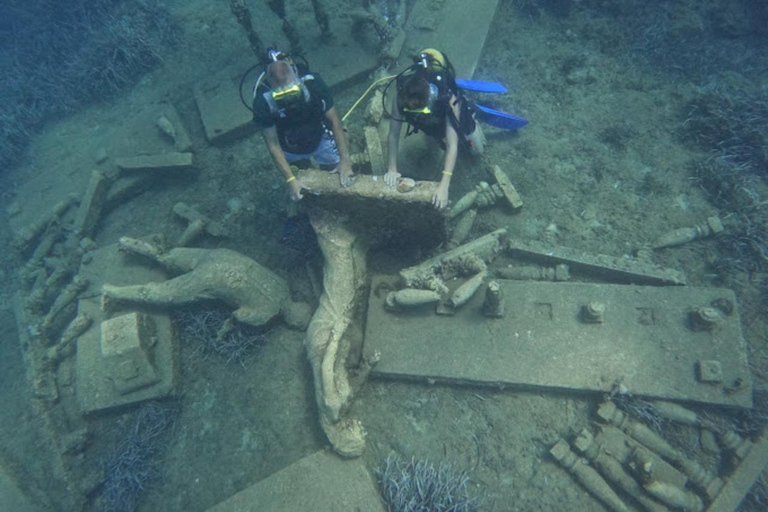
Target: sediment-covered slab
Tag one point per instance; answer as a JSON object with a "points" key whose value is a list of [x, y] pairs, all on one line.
{"points": [[645, 341], [92, 204], [161, 162], [322, 183], [426, 25], [611, 267], [321, 482], [224, 116]]}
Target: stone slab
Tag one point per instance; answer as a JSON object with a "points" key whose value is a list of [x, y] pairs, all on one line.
{"points": [[378, 207], [612, 267], [644, 342], [434, 24], [321, 482], [161, 162], [223, 114], [322, 183], [89, 211]]}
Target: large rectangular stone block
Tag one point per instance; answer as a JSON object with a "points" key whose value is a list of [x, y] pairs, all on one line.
{"points": [[126, 344], [645, 341]]}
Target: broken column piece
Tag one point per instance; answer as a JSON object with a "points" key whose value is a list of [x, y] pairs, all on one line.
{"points": [[705, 318], [34, 230], [742, 479], [587, 476], [593, 312], [467, 290], [411, 297], [461, 229], [198, 224], [485, 248], [679, 414], [493, 307], [463, 204], [278, 7], [613, 471], [675, 497], [710, 484], [734, 444], [243, 15], [322, 19], [65, 347], [170, 124], [681, 236], [69, 295]]}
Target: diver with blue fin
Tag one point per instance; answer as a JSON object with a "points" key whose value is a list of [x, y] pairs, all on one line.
{"points": [[429, 99]]}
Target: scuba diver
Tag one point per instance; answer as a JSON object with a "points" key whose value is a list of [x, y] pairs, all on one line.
{"points": [[298, 120], [429, 100]]}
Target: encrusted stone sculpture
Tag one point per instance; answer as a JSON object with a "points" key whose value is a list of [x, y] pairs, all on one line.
{"points": [[257, 294], [344, 277]]}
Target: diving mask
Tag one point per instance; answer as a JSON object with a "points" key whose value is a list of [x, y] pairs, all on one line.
{"points": [[288, 92], [426, 109]]}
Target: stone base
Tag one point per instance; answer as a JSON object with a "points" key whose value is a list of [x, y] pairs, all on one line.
{"points": [[645, 342], [96, 390]]}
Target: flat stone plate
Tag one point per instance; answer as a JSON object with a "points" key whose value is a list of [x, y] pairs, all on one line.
{"points": [[458, 29], [645, 342], [321, 482]]}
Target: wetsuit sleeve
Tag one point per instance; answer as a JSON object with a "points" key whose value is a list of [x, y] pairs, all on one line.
{"points": [[320, 89], [262, 115]]}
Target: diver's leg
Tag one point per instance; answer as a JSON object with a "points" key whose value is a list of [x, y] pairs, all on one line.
{"points": [[327, 154], [476, 140]]}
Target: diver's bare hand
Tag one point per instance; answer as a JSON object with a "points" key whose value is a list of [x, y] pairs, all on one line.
{"points": [[440, 197], [390, 178], [345, 173], [295, 189]]}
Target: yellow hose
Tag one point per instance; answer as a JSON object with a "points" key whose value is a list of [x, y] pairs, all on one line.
{"points": [[374, 84]]}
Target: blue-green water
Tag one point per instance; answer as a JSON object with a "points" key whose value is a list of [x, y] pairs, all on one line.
{"points": [[644, 117]]}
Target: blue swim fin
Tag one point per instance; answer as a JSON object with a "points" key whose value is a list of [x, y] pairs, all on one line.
{"points": [[500, 119], [481, 86]]}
